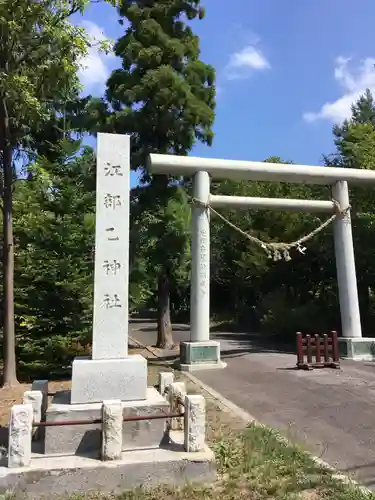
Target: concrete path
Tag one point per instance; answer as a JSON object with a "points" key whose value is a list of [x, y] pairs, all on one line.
{"points": [[330, 412]]}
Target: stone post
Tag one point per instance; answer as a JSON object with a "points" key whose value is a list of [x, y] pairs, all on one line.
{"points": [[35, 398], [195, 423], [42, 385], [165, 380], [20, 428], [112, 416], [176, 393]]}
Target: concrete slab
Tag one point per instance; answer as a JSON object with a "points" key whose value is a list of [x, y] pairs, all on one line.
{"points": [[56, 477], [84, 439]]}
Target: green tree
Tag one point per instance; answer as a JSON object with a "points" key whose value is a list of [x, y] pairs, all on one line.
{"points": [[355, 148], [354, 137], [40, 52], [54, 246], [362, 112], [253, 289], [164, 96], [152, 230]]}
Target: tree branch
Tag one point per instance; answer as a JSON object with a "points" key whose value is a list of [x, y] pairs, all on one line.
{"points": [[44, 38]]}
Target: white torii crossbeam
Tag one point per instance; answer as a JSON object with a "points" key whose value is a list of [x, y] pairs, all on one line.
{"points": [[257, 170], [201, 352]]}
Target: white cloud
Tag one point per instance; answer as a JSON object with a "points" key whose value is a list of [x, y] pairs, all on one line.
{"points": [[244, 62], [94, 70], [353, 81]]}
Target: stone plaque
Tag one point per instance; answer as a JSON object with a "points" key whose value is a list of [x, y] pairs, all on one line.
{"points": [[200, 354]]}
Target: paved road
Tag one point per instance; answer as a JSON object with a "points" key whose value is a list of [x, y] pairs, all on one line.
{"points": [[331, 412]]}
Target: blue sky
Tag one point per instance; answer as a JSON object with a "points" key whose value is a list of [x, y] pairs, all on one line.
{"points": [[286, 71]]}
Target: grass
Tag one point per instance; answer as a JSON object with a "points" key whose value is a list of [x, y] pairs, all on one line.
{"points": [[257, 465], [253, 464]]}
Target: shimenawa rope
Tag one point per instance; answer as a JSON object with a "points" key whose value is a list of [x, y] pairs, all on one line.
{"points": [[278, 251]]}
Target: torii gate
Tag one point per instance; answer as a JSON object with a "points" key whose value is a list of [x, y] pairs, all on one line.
{"points": [[201, 352]]}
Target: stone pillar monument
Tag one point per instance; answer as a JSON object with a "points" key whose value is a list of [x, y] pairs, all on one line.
{"points": [[110, 373]]}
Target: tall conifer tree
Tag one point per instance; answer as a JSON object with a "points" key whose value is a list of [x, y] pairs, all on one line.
{"points": [[164, 96]]}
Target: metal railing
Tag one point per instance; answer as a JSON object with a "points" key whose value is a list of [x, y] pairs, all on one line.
{"points": [[96, 421]]}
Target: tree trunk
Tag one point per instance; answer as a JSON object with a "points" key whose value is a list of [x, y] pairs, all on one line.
{"points": [[165, 339], [9, 340]]}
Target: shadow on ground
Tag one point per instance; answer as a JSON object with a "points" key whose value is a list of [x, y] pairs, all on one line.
{"points": [[234, 343], [237, 344]]}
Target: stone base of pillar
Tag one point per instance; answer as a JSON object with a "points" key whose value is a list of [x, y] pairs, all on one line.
{"points": [[85, 439], [201, 355], [357, 348], [96, 380]]}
